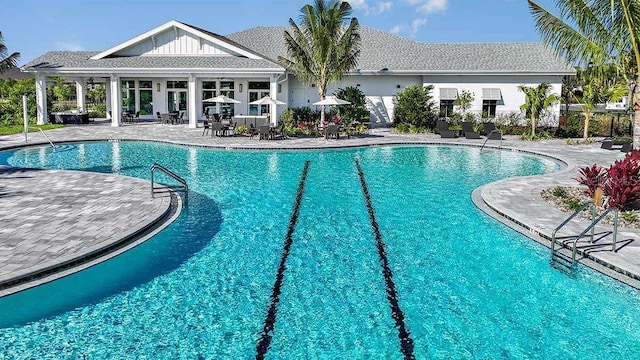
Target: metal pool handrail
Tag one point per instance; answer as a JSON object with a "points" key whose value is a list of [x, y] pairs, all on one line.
{"points": [[489, 135], [185, 187]]}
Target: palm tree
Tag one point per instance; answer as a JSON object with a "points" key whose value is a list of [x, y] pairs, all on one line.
{"points": [[323, 48], [537, 99], [7, 61], [598, 32]]}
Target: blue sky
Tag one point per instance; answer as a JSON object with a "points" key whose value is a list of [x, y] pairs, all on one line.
{"points": [[33, 27]]}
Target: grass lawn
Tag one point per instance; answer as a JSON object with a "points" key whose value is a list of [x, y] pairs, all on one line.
{"points": [[17, 129]]}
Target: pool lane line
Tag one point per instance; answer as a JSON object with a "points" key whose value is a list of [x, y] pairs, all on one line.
{"points": [[406, 343], [265, 339]]}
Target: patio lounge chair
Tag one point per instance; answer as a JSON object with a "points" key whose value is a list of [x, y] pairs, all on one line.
{"points": [[332, 131], [607, 144], [491, 132], [467, 129], [278, 131], [443, 130]]}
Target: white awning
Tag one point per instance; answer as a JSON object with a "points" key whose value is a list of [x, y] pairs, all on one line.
{"points": [[448, 93], [491, 94]]}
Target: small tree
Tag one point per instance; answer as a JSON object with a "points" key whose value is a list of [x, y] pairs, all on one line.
{"points": [[414, 106], [463, 101], [357, 110], [536, 100]]}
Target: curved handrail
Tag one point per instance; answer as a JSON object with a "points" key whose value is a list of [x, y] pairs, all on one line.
{"points": [[489, 135], [156, 166], [46, 137], [553, 234], [590, 227]]}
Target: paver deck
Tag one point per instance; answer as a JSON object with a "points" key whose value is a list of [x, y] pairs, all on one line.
{"points": [[516, 202], [52, 220]]}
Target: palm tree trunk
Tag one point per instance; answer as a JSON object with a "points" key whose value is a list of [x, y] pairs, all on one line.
{"points": [[585, 135], [533, 125], [636, 114]]}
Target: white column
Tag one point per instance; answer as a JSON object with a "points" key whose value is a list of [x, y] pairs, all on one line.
{"points": [[107, 88], [191, 98], [273, 89], [41, 99], [116, 100], [81, 91]]}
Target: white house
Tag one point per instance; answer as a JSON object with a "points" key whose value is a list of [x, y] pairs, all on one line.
{"points": [[175, 66]]}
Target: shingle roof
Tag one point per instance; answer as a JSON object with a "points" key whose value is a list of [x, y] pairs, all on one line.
{"points": [[381, 49], [81, 60]]}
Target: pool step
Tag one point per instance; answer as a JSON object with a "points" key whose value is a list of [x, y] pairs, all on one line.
{"points": [[562, 262]]}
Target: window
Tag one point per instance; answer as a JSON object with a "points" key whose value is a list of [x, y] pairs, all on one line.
{"points": [[446, 108], [146, 97], [177, 84], [226, 88], [208, 91], [128, 95], [489, 108]]}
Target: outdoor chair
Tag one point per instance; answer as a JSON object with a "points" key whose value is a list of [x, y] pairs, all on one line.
{"points": [[207, 127], [607, 144], [332, 131], [265, 132], [217, 129], [159, 117], [136, 117], [491, 132], [469, 133], [443, 130], [278, 131]]}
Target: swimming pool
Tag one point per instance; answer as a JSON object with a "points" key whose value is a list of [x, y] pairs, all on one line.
{"points": [[459, 284]]}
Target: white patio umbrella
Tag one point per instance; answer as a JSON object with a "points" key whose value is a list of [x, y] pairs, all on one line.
{"points": [[222, 99], [330, 100], [267, 100]]}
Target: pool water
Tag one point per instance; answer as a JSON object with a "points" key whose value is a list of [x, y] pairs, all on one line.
{"points": [[465, 285]]}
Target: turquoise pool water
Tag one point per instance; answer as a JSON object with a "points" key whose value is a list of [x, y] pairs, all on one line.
{"points": [[465, 286]]}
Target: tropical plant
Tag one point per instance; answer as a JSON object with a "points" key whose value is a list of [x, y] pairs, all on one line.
{"points": [[357, 110], [622, 186], [11, 92], [593, 177], [325, 46], [537, 99], [603, 33], [414, 106], [463, 101], [7, 61]]}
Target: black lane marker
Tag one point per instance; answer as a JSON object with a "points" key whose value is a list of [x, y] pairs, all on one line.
{"points": [[265, 339], [406, 343]]}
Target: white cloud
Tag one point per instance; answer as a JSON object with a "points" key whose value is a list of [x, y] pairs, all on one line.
{"points": [[428, 6], [372, 8], [396, 29], [416, 24], [68, 46]]}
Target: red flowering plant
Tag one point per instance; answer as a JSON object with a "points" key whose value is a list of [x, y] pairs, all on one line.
{"points": [[336, 118], [593, 177], [623, 183]]}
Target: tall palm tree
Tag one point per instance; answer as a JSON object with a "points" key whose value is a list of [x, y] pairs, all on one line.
{"points": [[537, 99], [7, 61], [600, 32], [325, 46]]}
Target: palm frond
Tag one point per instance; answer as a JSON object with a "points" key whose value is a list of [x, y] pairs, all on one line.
{"points": [[7, 61]]}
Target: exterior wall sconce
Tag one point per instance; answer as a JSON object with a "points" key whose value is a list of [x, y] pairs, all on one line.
{"points": [[158, 87], [398, 86], [240, 88], [358, 85]]}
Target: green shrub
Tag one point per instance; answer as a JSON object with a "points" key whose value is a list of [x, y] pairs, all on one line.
{"points": [[414, 106], [357, 110], [559, 192], [629, 216], [573, 204]]}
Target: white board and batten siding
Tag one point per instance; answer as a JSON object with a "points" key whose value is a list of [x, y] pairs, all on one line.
{"points": [[174, 41]]}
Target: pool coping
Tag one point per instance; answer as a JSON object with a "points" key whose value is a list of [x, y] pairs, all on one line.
{"points": [[527, 228], [171, 207]]}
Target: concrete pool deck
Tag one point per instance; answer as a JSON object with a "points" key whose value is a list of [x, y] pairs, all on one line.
{"points": [[516, 202]]}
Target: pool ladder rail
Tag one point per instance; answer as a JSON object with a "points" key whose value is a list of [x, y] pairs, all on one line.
{"points": [[183, 184], [566, 263]]}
